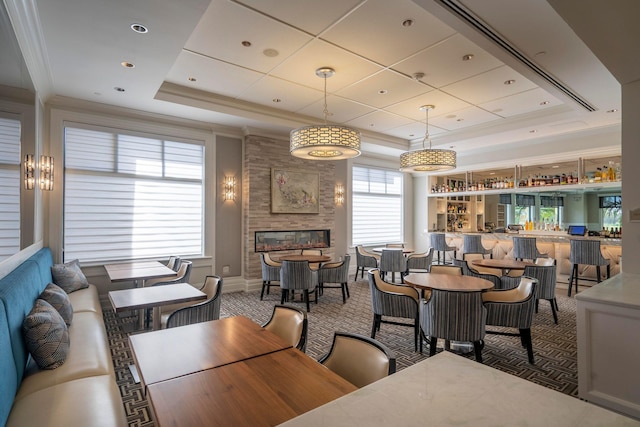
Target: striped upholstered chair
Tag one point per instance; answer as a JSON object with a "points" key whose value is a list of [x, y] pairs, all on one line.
{"points": [[439, 244], [468, 271], [453, 316], [270, 272], [420, 263], [546, 288], [393, 260], [391, 300], [525, 248], [298, 276], [586, 252], [513, 308], [472, 244], [364, 260], [201, 312], [335, 272]]}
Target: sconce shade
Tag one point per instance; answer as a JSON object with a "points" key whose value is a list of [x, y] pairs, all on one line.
{"points": [[229, 188], [46, 173], [29, 172], [339, 196]]}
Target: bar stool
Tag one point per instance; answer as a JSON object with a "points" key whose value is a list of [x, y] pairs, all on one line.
{"points": [[472, 244], [525, 248], [439, 244], [586, 252]]}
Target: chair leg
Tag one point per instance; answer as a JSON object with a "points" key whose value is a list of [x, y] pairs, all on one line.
{"points": [[554, 303], [573, 271], [344, 292], [268, 286], [598, 277], [306, 299], [264, 285], [416, 334], [374, 327], [433, 343], [537, 305], [346, 286], [284, 296], [526, 335], [477, 349]]}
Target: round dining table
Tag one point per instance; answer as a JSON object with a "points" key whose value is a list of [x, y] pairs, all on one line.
{"points": [[447, 282], [506, 265], [404, 250], [310, 258]]}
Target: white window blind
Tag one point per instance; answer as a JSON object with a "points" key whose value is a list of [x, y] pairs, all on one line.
{"points": [[377, 206], [130, 197], [10, 184]]}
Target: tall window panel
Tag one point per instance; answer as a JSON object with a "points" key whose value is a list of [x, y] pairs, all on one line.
{"points": [[377, 206], [10, 184], [131, 197]]}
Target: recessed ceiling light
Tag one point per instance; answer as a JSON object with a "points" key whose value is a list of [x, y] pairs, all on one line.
{"points": [[451, 116], [533, 131], [411, 135], [614, 110], [192, 79], [544, 103], [126, 64], [271, 53], [407, 22], [467, 57], [118, 89], [246, 43], [276, 100], [371, 124], [509, 82], [555, 167], [382, 92], [139, 28], [459, 120], [541, 53], [418, 75]]}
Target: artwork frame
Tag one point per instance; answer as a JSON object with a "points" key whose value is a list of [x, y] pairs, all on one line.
{"points": [[295, 192]]}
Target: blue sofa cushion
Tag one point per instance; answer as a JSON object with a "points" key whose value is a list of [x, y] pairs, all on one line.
{"points": [[46, 335], [58, 298], [9, 381], [69, 276]]}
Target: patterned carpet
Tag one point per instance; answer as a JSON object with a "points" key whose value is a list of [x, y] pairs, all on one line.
{"points": [[554, 346]]}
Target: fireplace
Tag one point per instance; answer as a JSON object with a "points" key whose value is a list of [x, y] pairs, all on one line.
{"points": [[266, 241]]}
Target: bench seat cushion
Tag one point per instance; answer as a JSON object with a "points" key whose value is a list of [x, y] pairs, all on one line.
{"points": [[86, 300], [89, 355], [93, 401]]}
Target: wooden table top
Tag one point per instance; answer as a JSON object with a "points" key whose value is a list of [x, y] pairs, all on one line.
{"points": [[447, 282], [310, 258], [505, 264], [140, 270], [261, 391], [153, 296], [404, 250], [170, 353]]}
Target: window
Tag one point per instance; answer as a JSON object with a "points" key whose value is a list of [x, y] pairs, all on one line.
{"points": [[611, 211], [551, 210], [525, 208], [377, 206], [10, 184], [129, 197]]}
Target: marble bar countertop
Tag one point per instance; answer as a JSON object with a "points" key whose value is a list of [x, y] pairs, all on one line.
{"points": [[622, 290], [540, 235], [450, 390]]}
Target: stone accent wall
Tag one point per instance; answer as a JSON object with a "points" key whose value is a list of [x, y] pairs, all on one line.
{"points": [[260, 155]]}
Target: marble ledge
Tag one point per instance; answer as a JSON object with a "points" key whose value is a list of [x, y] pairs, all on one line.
{"points": [[541, 236], [622, 290]]}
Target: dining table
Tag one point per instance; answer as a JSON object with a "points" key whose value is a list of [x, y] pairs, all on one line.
{"points": [[299, 257], [505, 265], [404, 250], [447, 282]]}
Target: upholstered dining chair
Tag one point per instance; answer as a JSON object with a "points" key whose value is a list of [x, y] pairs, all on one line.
{"points": [[486, 270], [358, 359], [290, 324], [201, 312], [453, 316], [472, 244], [364, 260], [393, 261], [298, 276], [311, 252], [419, 263], [525, 248], [546, 288], [513, 308], [270, 273], [469, 271], [174, 262], [182, 276], [446, 269], [394, 245], [586, 252], [335, 272], [439, 244], [396, 301]]}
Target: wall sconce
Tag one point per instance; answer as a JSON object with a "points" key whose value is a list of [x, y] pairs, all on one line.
{"points": [[229, 188], [46, 173], [339, 196], [29, 172]]}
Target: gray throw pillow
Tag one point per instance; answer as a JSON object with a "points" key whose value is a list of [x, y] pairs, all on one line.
{"points": [[46, 335], [69, 276], [58, 298]]}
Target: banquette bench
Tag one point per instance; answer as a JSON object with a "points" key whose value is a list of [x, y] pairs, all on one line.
{"points": [[80, 392]]}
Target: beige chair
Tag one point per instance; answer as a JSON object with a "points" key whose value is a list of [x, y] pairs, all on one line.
{"points": [[358, 359], [174, 262], [270, 273], [201, 312], [182, 276], [483, 270], [290, 324], [420, 263], [394, 245], [312, 265], [364, 260], [335, 272], [446, 269], [467, 270]]}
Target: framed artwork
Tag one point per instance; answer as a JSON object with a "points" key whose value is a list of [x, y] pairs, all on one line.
{"points": [[294, 192]]}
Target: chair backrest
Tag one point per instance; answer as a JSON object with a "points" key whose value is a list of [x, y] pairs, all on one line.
{"points": [[446, 269], [439, 242], [392, 260], [388, 299], [364, 259], [394, 245], [201, 312], [472, 243], [545, 261], [182, 276], [358, 359], [546, 275], [174, 262], [586, 252], [311, 252], [290, 324], [297, 275], [453, 315], [270, 269], [270, 261], [421, 261], [512, 308], [525, 248], [335, 272], [468, 271]]}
